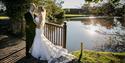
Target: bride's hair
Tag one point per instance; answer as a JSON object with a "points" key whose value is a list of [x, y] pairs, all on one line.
{"points": [[41, 8]]}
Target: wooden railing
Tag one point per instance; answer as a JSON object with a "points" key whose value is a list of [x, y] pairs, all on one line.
{"points": [[56, 33]]}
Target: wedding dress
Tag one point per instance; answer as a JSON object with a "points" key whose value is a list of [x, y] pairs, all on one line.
{"points": [[44, 49]]}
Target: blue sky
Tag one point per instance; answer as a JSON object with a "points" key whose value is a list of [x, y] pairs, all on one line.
{"points": [[73, 3]]}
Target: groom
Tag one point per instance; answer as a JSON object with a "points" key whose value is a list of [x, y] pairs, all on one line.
{"points": [[30, 28]]}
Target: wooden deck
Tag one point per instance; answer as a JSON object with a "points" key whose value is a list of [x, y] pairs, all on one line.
{"points": [[19, 57], [14, 51]]}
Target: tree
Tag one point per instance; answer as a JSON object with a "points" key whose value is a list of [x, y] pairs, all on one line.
{"points": [[53, 10], [59, 2], [16, 8], [96, 1], [115, 4], [86, 8], [110, 8]]}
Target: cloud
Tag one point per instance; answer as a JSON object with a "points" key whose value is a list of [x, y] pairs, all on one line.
{"points": [[73, 3]]}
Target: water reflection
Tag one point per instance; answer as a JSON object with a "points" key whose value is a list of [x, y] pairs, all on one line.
{"points": [[102, 34], [104, 26], [91, 29]]}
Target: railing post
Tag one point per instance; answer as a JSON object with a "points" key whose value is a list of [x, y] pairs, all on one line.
{"points": [[65, 33], [80, 56]]}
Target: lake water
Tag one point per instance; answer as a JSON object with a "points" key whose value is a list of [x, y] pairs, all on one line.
{"points": [[100, 34]]}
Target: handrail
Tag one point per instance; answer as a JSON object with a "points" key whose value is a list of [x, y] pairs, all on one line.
{"points": [[56, 33], [54, 24]]}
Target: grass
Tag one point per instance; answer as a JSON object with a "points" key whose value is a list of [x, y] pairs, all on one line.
{"points": [[4, 17], [74, 15], [100, 57]]}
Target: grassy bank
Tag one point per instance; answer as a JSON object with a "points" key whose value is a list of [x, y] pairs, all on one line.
{"points": [[73, 15], [100, 57]]}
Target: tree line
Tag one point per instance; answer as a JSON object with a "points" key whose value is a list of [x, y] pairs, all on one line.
{"points": [[109, 8]]}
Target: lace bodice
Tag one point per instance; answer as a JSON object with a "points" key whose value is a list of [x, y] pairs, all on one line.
{"points": [[38, 21]]}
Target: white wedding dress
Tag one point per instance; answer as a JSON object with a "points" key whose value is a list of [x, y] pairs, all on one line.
{"points": [[44, 49]]}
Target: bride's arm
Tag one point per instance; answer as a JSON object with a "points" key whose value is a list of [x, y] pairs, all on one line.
{"points": [[42, 18], [35, 21]]}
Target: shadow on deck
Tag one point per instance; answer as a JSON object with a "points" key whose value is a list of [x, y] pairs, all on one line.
{"points": [[30, 60], [12, 50], [19, 57], [8, 41]]}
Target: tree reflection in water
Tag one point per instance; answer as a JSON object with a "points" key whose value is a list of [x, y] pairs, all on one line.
{"points": [[114, 31]]}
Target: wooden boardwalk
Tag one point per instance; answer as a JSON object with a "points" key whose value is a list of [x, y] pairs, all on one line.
{"points": [[19, 57], [14, 51], [14, 57]]}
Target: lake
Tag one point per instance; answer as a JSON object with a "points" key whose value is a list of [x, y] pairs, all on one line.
{"points": [[100, 34]]}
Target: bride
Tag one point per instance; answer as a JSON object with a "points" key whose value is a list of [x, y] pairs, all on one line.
{"points": [[44, 49]]}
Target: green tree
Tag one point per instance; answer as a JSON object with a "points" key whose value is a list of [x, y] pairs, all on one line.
{"points": [[114, 8], [53, 10], [111, 8], [96, 1], [17, 8], [86, 8]]}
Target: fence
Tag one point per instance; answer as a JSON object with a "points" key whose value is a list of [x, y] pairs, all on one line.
{"points": [[56, 33]]}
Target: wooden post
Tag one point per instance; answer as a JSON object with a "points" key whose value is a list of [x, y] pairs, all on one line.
{"points": [[64, 37], [80, 56]]}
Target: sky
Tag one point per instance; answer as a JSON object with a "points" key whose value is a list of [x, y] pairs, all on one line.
{"points": [[72, 3], [78, 3], [2, 6]]}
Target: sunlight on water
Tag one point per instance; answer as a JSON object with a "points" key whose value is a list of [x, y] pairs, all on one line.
{"points": [[91, 29]]}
